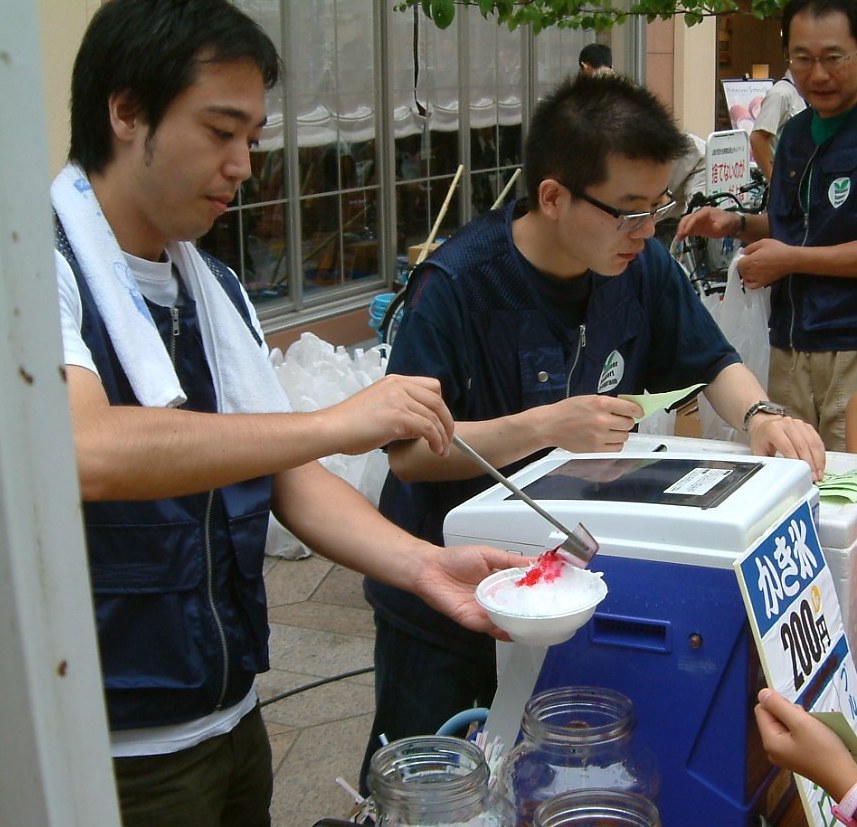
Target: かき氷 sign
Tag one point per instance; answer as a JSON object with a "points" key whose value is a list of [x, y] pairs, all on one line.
{"points": [[795, 617]]}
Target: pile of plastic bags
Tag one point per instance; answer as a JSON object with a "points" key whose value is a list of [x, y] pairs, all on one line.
{"points": [[315, 375]]}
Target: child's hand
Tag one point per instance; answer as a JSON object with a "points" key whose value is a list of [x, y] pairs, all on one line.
{"points": [[795, 740]]}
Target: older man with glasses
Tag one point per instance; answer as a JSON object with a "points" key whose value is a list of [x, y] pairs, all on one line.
{"points": [[535, 318], [805, 247]]}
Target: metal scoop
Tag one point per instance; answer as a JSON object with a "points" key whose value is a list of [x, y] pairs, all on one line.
{"points": [[579, 545]]}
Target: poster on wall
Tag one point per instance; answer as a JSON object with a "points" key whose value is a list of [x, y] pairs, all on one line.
{"points": [[744, 98], [796, 621]]}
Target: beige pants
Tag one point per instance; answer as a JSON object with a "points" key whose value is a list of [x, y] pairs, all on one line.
{"points": [[815, 387]]}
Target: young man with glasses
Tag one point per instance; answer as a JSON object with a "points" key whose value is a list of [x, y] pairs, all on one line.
{"points": [[535, 318], [805, 247]]}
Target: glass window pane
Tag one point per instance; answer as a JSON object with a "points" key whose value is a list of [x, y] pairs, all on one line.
{"points": [[411, 161], [321, 243], [483, 148], [267, 178], [266, 261], [443, 154], [413, 223], [511, 150]]}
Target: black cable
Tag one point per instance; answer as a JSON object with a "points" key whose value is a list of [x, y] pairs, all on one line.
{"points": [[321, 682], [416, 51]]}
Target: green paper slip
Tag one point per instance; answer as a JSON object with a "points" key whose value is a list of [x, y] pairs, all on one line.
{"points": [[847, 480], [838, 494], [653, 402], [839, 486]]}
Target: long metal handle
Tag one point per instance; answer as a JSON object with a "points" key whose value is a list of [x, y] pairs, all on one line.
{"points": [[490, 469]]}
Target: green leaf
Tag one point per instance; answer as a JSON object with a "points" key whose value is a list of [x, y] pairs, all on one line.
{"points": [[591, 14], [443, 13]]}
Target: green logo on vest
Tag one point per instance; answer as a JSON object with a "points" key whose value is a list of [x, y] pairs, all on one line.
{"points": [[612, 372], [839, 191]]}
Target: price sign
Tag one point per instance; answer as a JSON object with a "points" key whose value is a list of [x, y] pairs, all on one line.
{"points": [[794, 614]]}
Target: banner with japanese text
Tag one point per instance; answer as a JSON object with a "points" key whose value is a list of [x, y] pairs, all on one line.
{"points": [[795, 617], [727, 161]]}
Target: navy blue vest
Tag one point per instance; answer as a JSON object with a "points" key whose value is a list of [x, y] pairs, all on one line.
{"points": [[814, 313], [179, 596]]}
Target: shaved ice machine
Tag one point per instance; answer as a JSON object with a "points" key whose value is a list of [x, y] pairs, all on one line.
{"points": [[672, 633]]}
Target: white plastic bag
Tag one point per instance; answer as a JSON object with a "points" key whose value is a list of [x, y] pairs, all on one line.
{"points": [[315, 375], [742, 315], [280, 542]]}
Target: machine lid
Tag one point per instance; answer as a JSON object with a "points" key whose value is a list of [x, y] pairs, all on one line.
{"points": [[671, 507], [695, 482]]}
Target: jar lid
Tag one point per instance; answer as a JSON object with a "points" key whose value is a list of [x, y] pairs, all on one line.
{"points": [[597, 808]]}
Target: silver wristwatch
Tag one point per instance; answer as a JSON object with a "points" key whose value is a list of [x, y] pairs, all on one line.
{"points": [[763, 406]]}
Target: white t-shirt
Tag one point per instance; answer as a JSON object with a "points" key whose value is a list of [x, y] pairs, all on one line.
{"points": [[780, 103], [158, 284]]}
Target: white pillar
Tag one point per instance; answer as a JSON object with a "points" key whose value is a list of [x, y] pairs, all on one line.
{"points": [[54, 760], [694, 100]]}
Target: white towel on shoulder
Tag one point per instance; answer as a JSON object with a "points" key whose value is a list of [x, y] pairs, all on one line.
{"points": [[243, 377]]}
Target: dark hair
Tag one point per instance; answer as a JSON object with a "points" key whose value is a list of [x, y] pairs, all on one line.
{"points": [[583, 121], [597, 55], [818, 8], [153, 49]]}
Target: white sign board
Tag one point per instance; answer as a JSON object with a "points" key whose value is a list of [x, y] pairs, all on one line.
{"points": [[727, 161], [794, 614]]}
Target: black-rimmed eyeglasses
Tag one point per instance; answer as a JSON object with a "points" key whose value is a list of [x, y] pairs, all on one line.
{"points": [[628, 221]]}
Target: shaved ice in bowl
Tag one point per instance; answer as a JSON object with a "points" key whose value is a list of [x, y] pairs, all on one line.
{"points": [[543, 604]]}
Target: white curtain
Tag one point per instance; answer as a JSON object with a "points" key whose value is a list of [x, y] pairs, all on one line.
{"points": [[333, 77]]}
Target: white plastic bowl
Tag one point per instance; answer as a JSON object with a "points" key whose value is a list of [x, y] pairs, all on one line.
{"points": [[546, 613]]}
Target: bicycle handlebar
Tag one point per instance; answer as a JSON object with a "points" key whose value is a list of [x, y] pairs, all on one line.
{"points": [[700, 199]]}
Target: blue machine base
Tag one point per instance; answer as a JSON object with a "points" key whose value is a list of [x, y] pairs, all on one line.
{"points": [[675, 639]]}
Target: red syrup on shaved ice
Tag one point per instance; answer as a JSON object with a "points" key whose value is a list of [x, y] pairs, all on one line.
{"points": [[547, 568]]}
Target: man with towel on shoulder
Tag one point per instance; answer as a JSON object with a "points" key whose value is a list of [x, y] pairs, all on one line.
{"points": [[185, 441]]}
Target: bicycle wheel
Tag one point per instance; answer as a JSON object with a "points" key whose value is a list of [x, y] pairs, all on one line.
{"points": [[392, 318]]}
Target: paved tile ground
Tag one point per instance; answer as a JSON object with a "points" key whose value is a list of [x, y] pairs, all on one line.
{"points": [[320, 627]]}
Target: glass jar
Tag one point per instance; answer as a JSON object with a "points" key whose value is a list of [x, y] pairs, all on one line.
{"points": [[430, 780], [597, 808], [576, 738]]}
